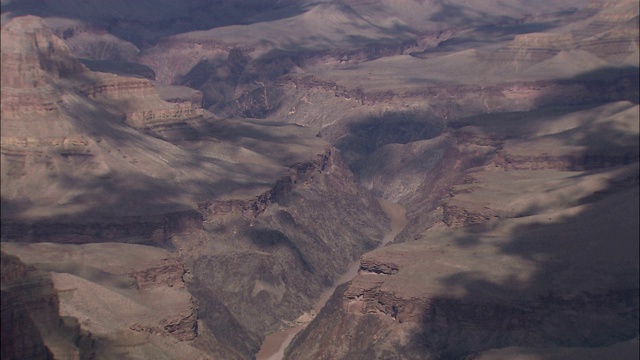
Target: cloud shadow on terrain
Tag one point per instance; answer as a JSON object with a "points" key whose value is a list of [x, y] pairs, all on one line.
{"points": [[611, 73], [620, 80], [361, 138], [485, 35], [237, 86], [268, 239], [214, 313], [581, 292], [141, 24], [602, 85], [589, 318], [461, 15], [148, 178], [488, 28], [121, 68]]}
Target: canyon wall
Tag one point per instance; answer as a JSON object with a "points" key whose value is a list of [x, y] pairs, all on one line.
{"points": [[279, 224], [183, 194], [495, 261], [32, 326], [288, 245]]}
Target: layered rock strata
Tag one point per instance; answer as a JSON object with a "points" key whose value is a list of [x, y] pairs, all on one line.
{"points": [[259, 218], [152, 307], [505, 263], [32, 326], [285, 245], [113, 167], [477, 310]]}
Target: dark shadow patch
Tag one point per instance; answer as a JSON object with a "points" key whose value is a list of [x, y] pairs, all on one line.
{"points": [[361, 138], [144, 25], [120, 68], [268, 239], [583, 291], [221, 322]]}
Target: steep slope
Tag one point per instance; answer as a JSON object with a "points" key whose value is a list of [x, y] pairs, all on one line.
{"points": [[235, 66], [32, 325], [507, 130], [522, 209], [143, 22], [90, 157], [154, 314], [420, 92], [530, 251]]}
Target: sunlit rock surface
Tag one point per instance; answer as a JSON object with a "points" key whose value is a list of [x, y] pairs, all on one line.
{"points": [[188, 178]]}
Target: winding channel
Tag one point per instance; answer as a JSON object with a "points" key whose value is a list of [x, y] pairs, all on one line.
{"points": [[274, 344]]}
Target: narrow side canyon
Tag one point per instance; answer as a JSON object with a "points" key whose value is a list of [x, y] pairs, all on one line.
{"points": [[330, 179]]}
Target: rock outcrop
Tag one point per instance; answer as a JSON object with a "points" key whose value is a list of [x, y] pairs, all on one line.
{"points": [[31, 54], [22, 338], [32, 326], [263, 194], [480, 278], [155, 230], [158, 219], [290, 242], [53, 109], [300, 174], [462, 299], [115, 292]]}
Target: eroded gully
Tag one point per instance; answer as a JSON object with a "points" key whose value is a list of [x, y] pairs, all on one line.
{"points": [[274, 344]]}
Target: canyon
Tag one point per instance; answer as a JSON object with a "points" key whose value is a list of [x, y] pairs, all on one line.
{"points": [[363, 179]]}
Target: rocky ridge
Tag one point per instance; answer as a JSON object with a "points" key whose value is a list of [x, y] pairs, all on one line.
{"points": [[112, 127], [260, 196], [482, 309], [273, 238], [31, 324], [432, 293], [405, 324]]}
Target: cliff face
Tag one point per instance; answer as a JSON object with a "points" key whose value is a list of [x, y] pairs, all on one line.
{"points": [[32, 49], [299, 175], [32, 59], [236, 71], [500, 258], [486, 284], [410, 329], [158, 229], [507, 203], [31, 324], [290, 243], [22, 338], [56, 114], [586, 57], [35, 63], [148, 110], [221, 195], [125, 296]]}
